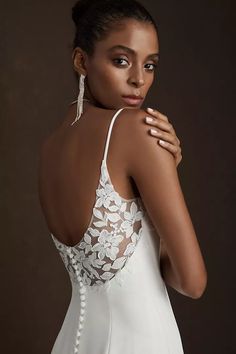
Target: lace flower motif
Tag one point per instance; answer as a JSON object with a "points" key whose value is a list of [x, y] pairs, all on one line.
{"points": [[130, 218], [111, 238], [107, 245]]}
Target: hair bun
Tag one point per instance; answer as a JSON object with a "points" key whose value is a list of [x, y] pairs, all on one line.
{"points": [[79, 9]]}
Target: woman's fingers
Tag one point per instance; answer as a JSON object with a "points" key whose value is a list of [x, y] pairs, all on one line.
{"points": [[169, 142], [161, 120], [164, 136], [174, 149], [165, 133]]}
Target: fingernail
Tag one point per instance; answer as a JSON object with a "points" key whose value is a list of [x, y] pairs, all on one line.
{"points": [[153, 131], [150, 109], [162, 142], [149, 119]]}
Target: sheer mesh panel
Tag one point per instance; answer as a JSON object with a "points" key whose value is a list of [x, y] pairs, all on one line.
{"points": [[111, 237]]}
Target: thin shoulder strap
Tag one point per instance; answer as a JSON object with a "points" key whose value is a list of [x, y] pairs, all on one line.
{"points": [[109, 133]]}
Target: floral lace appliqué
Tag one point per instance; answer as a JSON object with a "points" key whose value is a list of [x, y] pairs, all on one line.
{"points": [[111, 237]]}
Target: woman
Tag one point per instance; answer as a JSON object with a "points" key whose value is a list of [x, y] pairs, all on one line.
{"points": [[118, 216]]}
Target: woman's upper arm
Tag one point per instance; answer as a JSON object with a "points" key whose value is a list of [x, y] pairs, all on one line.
{"points": [[154, 171]]}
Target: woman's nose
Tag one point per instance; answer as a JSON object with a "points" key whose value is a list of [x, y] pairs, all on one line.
{"points": [[136, 78]]}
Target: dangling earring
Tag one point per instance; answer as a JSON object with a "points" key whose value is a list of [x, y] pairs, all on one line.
{"points": [[80, 99]]}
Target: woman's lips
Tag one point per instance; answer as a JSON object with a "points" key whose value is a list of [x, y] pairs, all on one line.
{"points": [[132, 101]]}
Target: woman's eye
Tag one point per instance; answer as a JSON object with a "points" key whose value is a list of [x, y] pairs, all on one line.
{"points": [[153, 67], [123, 62], [120, 60]]}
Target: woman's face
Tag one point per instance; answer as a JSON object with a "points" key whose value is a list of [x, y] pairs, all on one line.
{"points": [[123, 64]]}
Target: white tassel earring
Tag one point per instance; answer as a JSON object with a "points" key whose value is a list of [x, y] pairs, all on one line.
{"points": [[80, 99]]}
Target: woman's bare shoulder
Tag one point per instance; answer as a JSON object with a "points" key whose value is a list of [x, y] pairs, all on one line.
{"points": [[139, 144]]}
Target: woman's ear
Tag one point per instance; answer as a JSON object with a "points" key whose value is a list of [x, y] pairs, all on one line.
{"points": [[78, 58]]}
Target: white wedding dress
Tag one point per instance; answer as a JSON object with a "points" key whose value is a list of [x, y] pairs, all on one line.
{"points": [[119, 302]]}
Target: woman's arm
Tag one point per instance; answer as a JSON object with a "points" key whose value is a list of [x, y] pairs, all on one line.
{"points": [[154, 172], [164, 132], [167, 138], [168, 271]]}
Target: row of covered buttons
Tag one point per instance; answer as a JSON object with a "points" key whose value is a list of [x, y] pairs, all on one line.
{"points": [[82, 291]]}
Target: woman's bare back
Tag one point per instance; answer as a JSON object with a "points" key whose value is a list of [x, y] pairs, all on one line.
{"points": [[69, 175], [69, 170]]}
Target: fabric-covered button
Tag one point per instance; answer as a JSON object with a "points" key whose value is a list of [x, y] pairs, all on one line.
{"points": [[82, 311], [82, 290], [78, 333]]}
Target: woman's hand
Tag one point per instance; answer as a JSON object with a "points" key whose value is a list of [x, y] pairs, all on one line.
{"points": [[165, 131]]}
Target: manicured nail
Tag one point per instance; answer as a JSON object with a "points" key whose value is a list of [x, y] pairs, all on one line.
{"points": [[149, 119], [162, 142], [150, 109], [153, 131]]}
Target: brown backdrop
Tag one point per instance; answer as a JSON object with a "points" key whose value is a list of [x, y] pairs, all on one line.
{"points": [[194, 88]]}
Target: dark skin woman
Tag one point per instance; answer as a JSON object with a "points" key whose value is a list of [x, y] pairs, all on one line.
{"points": [[113, 73], [122, 63], [117, 50]]}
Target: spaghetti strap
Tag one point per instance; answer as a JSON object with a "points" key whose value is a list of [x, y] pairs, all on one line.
{"points": [[109, 133]]}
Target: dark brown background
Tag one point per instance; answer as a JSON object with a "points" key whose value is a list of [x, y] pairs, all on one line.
{"points": [[194, 88]]}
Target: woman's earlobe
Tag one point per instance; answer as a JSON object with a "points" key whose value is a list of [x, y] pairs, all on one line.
{"points": [[78, 61]]}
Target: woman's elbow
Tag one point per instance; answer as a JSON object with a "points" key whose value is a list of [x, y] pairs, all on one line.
{"points": [[196, 288]]}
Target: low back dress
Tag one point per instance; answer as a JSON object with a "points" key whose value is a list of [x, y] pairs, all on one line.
{"points": [[119, 302]]}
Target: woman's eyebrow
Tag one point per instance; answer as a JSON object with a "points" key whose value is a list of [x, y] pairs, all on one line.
{"points": [[131, 51]]}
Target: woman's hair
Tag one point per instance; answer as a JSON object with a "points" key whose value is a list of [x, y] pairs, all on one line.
{"points": [[94, 19]]}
